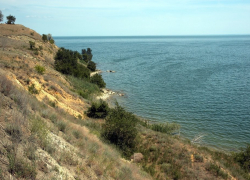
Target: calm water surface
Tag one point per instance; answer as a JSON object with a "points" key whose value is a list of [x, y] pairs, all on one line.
{"points": [[200, 82]]}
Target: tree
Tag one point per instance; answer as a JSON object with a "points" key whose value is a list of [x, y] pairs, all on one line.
{"points": [[87, 55], [10, 19], [84, 51], [49, 37], [120, 129], [97, 79], [98, 110], [89, 51], [1, 16], [66, 63], [92, 66], [45, 38]]}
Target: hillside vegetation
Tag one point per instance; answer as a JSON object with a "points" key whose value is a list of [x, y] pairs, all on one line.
{"points": [[52, 127]]}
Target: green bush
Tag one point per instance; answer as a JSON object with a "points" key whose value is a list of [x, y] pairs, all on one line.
{"points": [[61, 126], [40, 130], [243, 158], [52, 103], [76, 134], [98, 110], [92, 66], [40, 69], [167, 128], [120, 129], [21, 168], [87, 55], [45, 38], [98, 80], [32, 45], [52, 41], [32, 89], [66, 63], [14, 131]]}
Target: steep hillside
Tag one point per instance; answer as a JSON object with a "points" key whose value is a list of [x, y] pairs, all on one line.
{"points": [[44, 131], [46, 134]]}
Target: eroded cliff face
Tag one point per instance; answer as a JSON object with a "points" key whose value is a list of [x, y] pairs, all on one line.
{"points": [[44, 131]]}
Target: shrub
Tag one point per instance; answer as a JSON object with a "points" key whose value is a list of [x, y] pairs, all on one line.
{"points": [[14, 131], [81, 71], [32, 33], [76, 134], [198, 158], [167, 128], [44, 38], [6, 85], [40, 69], [98, 110], [52, 103], [215, 169], [32, 89], [92, 66], [98, 80], [36, 52], [61, 126], [120, 129], [32, 45], [243, 158], [21, 168], [52, 41]]}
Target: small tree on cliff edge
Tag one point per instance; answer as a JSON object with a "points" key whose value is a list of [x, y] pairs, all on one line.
{"points": [[10, 19], [1, 16]]}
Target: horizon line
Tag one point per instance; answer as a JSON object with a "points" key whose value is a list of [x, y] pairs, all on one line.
{"points": [[151, 35]]}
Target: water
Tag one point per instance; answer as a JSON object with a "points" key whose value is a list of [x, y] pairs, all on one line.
{"points": [[202, 83]]}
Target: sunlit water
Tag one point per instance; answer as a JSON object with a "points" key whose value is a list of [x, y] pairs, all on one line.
{"points": [[202, 83]]}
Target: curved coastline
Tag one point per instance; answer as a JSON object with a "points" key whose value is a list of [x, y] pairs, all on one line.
{"points": [[109, 96]]}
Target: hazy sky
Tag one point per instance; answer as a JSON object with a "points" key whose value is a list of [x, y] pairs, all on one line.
{"points": [[131, 17]]}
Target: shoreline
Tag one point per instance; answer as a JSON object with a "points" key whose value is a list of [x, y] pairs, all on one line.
{"points": [[106, 93], [109, 95]]}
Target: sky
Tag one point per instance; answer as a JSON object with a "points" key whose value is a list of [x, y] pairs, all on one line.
{"points": [[131, 17]]}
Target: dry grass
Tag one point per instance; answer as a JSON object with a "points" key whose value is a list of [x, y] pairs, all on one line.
{"points": [[46, 139]]}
